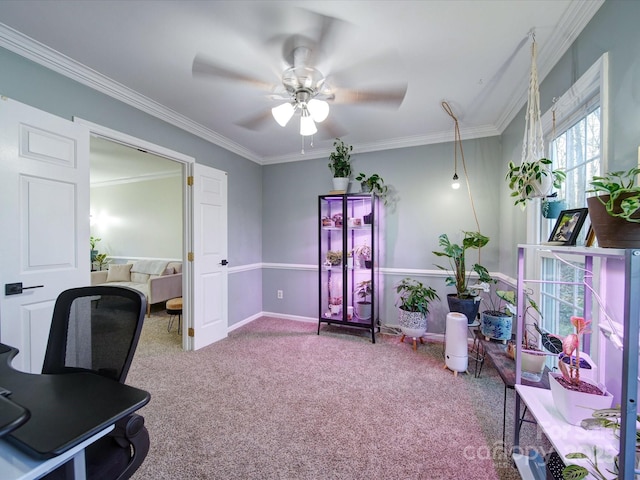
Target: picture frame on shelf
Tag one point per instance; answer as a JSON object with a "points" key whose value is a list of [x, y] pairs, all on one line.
{"points": [[568, 226]]}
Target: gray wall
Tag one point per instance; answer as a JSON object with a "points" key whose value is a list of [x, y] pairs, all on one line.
{"points": [[37, 86], [146, 218], [423, 206]]}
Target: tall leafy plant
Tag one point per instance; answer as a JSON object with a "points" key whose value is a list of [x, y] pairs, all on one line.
{"points": [[456, 254]]}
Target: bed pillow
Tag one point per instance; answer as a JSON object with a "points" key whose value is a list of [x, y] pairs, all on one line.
{"points": [[119, 273]]}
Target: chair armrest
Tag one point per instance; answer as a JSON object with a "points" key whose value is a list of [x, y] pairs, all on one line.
{"points": [[130, 431], [165, 288], [99, 277]]}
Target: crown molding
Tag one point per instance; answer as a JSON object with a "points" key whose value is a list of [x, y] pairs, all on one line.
{"points": [[41, 54], [391, 144], [577, 16]]}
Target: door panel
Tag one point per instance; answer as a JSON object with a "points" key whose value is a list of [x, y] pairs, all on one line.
{"points": [[209, 192], [44, 180]]}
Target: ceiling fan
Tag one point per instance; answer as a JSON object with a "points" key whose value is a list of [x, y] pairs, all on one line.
{"points": [[304, 90]]}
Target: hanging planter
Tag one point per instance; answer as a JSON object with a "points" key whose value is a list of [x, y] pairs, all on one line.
{"points": [[534, 176], [551, 207]]}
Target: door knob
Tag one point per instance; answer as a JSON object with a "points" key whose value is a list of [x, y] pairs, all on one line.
{"points": [[224, 262]]}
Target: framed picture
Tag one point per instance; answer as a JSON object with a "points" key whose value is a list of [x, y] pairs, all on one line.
{"points": [[568, 226]]}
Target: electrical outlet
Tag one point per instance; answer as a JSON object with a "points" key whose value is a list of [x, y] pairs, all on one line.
{"points": [[280, 294]]}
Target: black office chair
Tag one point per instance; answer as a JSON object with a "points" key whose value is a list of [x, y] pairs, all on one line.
{"points": [[97, 329]]}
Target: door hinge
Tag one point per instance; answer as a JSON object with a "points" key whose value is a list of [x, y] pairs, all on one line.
{"points": [[190, 180], [191, 332], [190, 256]]}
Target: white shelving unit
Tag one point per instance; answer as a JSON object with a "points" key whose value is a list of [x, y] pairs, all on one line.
{"points": [[564, 437]]}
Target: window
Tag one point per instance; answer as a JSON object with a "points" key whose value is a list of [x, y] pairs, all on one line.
{"points": [[575, 133]]}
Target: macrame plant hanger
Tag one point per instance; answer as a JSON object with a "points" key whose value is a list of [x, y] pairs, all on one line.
{"points": [[533, 142]]}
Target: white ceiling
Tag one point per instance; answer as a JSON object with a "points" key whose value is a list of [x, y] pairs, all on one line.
{"points": [[475, 54]]}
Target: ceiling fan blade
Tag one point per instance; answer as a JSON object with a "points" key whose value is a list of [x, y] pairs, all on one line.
{"points": [[205, 67], [330, 129], [257, 122], [390, 97]]}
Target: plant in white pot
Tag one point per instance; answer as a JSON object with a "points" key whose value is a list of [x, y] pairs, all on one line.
{"points": [[340, 165], [413, 300], [615, 210], [533, 179], [532, 357], [363, 306], [576, 398], [466, 299]]}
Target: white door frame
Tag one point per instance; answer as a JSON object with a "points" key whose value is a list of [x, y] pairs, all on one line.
{"points": [[187, 228]]}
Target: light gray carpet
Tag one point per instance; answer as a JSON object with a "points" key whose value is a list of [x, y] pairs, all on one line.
{"points": [[275, 400]]}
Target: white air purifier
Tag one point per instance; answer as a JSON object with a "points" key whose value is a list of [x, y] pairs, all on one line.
{"points": [[456, 348]]}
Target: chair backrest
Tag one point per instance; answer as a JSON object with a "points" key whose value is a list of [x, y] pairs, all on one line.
{"points": [[95, 328]]}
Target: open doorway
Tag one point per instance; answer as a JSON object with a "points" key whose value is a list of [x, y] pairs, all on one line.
{"points": [[137, 217]]}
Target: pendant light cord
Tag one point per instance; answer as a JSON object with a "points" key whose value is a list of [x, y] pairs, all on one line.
{"points": [[458, 144]]}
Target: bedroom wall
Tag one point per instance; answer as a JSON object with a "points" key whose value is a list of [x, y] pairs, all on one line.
{"points": [[139, 219], [423, 206]]}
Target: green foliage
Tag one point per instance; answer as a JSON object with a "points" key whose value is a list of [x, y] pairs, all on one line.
{"points": [[616, 184], [414, 296], [339, 161], [457, 262], [93, 242], [374, 184], [334, 257], [523, 177], [101, 260], [363, 290]]}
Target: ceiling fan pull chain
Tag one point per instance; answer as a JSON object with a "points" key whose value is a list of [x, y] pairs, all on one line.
{"points": [[302, 151]]}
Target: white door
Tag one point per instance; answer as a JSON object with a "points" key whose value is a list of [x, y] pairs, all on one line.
{"points": [[209, 200], [44, 213]]}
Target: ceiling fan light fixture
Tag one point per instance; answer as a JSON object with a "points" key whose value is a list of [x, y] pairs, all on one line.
{"points": [[283, 113], [307, 125], [319, 109]]}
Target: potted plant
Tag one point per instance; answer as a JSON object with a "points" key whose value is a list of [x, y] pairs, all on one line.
{"points": [[363, 307], [576, 398], [93, 241], [614, 212], [552, 206], [532, 357], [340, 165], [373, 183], [334, 257], [363, 254], [101, 260], [533, 179], [466, 299], [413, 300], [497, 321]]}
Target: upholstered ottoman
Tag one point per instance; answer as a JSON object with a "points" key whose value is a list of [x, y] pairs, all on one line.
{"points": [[174, 309]]}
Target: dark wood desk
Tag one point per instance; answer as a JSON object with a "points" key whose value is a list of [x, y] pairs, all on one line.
{"points": [[506, 368], [66, 409]]}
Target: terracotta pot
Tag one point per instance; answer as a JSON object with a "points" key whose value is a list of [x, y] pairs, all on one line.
{"points": [[612, 232]]}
